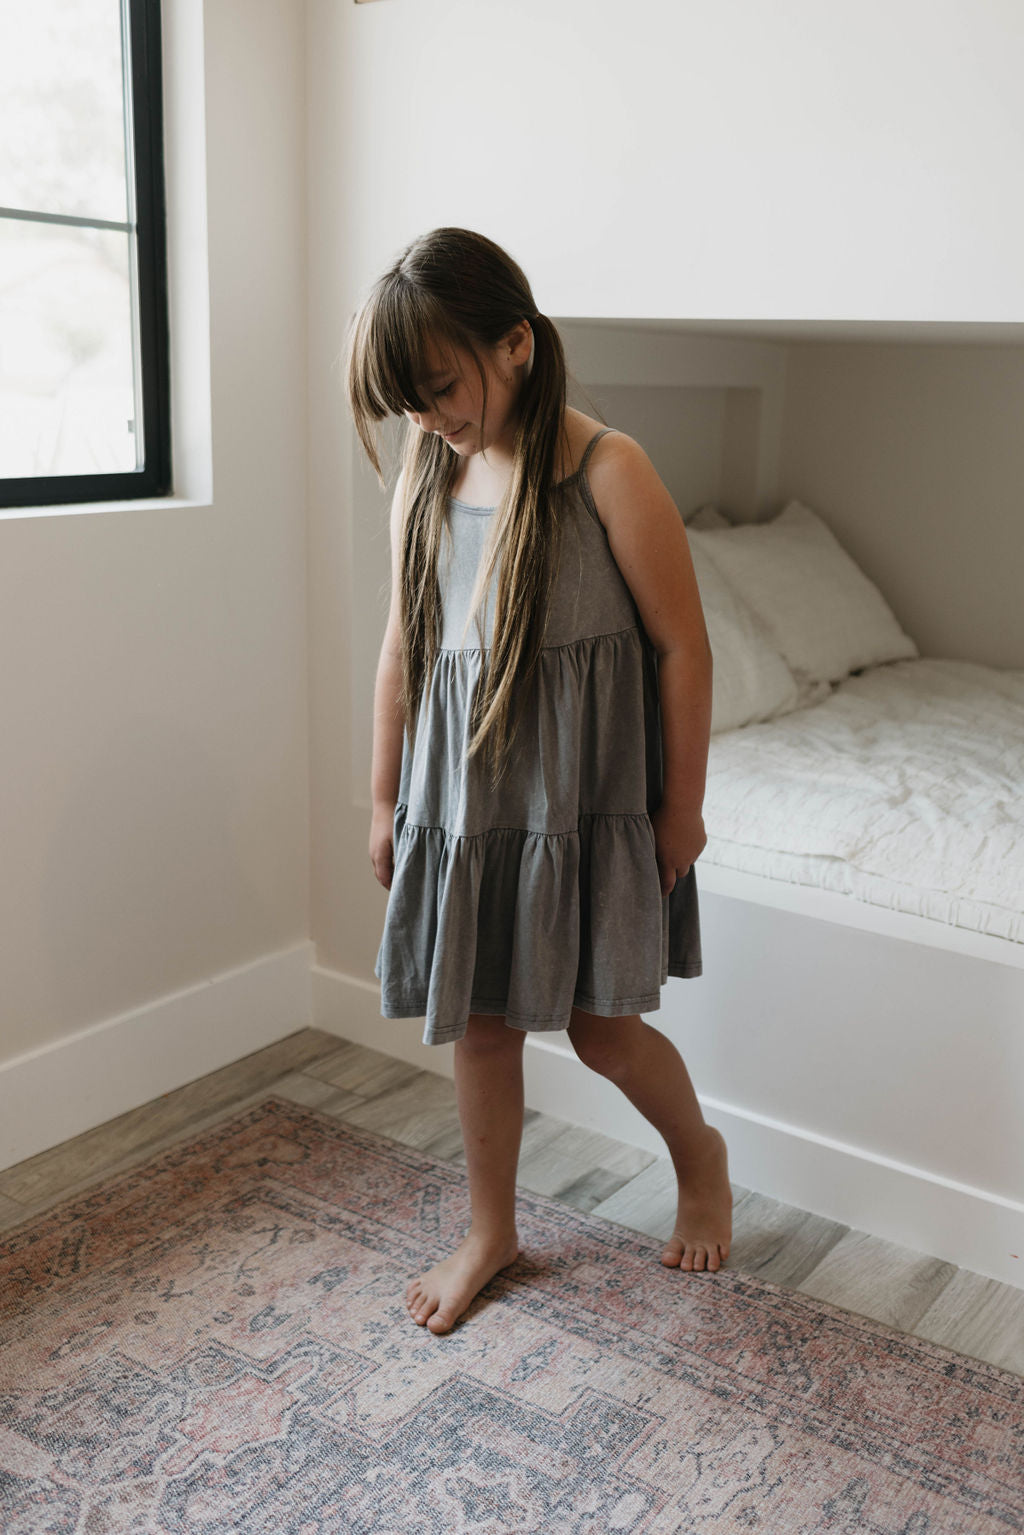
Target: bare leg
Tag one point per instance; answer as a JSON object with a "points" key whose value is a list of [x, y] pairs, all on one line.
{"points": [[489, 1090], [652, 1074]]}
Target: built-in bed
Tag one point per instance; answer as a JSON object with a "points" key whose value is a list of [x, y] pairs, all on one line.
{"points": [[859, 1030], [867, 770]]}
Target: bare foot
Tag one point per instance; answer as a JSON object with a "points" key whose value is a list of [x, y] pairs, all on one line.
{"points": [[704, 1219], [440, 1296]]}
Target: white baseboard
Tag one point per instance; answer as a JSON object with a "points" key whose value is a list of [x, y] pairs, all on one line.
{"points": [[74, 1084], [69, 1087], [975, 1229]]}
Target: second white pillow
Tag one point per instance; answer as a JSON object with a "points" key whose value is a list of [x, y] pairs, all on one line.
{"points": [[750, 680], [822, 612], [707, 516]]}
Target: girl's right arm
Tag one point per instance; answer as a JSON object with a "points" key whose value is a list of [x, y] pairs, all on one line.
{"points": [[388, 720]]}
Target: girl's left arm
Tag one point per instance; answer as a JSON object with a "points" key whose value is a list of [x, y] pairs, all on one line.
{"points": [[648, 541]]}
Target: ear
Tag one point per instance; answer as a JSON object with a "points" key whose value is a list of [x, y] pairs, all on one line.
{"points": [[518, 341]]}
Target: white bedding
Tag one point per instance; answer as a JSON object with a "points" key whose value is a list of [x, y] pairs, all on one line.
{"points": [[903, 788]]}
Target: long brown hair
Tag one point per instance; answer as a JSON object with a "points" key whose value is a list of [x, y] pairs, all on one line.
{"points": [[453, 288]]}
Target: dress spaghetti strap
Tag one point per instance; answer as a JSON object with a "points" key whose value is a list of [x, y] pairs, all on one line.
{"points": [[590, 447], [580, 477]]}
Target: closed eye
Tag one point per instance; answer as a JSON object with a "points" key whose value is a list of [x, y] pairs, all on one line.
{"points": [[440, 393]]}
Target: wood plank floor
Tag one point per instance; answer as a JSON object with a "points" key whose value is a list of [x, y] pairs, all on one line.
{"points": [[907, 1290]]}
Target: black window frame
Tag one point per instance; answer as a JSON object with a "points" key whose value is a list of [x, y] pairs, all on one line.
{"points": [[154, 478]]}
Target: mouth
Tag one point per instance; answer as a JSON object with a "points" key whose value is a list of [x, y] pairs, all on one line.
{"points": [[450, 436]]}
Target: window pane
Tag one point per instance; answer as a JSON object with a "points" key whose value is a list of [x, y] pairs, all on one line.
{"points": [[61, 108], [67, 396]]}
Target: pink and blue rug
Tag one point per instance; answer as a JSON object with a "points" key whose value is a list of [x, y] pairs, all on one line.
{"points": [[217, 1342]]}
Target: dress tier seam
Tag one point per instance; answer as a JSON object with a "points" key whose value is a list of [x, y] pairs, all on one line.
{"points": [[582, 639], [525, 831]]}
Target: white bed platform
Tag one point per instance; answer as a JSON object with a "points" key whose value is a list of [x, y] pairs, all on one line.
{"points": [[870, 1061]]}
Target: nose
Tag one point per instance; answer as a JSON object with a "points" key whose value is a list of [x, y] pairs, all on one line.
{"points": [[426, 420]]}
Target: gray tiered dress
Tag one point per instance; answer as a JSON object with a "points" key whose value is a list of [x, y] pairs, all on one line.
{"points": [[544, 894]]}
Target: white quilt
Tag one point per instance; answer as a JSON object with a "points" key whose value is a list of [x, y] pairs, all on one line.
{"points": [[904, 788]]}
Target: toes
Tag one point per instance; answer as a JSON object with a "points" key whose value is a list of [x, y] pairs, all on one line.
{"points": [[441, 1321], [693, 1257], [417, 1303]]}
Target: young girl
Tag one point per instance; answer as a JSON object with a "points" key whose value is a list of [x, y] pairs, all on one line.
{"points": [[541, 724]]}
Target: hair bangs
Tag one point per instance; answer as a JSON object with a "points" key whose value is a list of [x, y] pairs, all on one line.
{"points": [[411, 338]]}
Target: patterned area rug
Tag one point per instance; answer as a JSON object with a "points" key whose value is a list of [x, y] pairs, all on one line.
{"points": [[217, 1342]]}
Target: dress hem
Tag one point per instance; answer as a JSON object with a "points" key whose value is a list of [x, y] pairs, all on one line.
{"points": [[617, 1007]]}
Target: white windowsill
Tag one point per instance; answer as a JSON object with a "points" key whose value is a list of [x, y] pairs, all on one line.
{"points": [[75, 508]]}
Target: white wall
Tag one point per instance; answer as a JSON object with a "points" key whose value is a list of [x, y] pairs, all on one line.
{"points": [[915, 456], [668, 158], [154, 810], [911, 450]]}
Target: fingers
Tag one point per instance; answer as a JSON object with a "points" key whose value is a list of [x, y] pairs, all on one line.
{"points": [[670, 876], [383, 862], [385, 872]]}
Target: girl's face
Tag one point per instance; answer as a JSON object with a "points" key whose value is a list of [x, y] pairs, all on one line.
{"points": [[453, 392]]}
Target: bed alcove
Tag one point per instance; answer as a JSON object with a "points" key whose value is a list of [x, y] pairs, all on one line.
{"points": [[864, 1062]]}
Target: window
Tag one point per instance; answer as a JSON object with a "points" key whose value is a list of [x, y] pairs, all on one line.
{"points": [[84, 393]]}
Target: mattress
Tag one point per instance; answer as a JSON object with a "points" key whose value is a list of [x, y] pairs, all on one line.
{"points": [[904, 788]]}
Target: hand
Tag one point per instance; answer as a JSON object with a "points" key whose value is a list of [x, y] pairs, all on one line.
{"points": [[382, 844], [679, 840]]}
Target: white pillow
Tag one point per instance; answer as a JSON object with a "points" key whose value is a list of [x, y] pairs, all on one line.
{"points": [[818, 606], [707, 517], [750, 680]]}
